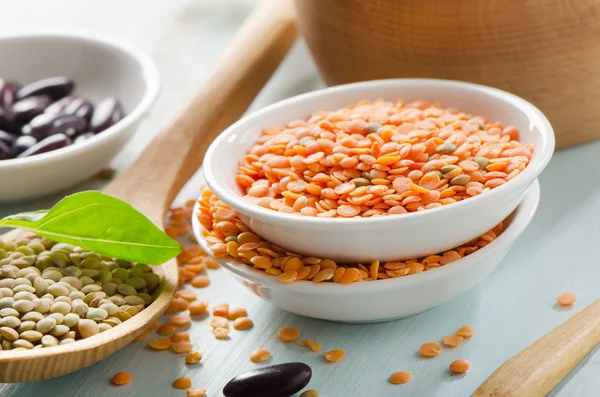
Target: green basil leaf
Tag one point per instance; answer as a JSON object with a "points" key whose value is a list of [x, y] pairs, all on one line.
{"points": [[102, 224]]}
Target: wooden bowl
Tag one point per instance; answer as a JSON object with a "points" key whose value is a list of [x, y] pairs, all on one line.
{"points": [[546, 51], [38, 364]]}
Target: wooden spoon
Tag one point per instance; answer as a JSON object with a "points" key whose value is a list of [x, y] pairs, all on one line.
{"points": [[535, 371], [153, 181]]}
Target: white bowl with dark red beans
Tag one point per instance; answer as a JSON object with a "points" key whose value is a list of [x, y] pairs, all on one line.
{"points": [[69, 102]]}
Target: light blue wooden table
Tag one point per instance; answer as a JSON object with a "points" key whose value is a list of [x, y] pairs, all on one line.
{"points": [[509, 310]]}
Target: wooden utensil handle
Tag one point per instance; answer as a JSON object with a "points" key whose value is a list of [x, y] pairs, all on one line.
{"points": [[535, 371], [259, 46]]}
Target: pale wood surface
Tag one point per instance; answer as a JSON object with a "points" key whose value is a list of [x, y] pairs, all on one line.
{"points": [[509, 311], [546, 51]]}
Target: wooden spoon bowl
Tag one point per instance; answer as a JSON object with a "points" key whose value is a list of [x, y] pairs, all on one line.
{"points": [[152, 182]]}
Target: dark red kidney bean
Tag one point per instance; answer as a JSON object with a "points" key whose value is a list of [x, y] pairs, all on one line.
{"points": [[39, 126], [6, 151], [7, 137], [72, 105], [8, 92], [6, 124], [59, 106], [26, 109], [54, 87], [83, 137], [68, 124], [45, 125], [281, 380], [51, 143], [107, 113], [80, 107], [23, 143]]}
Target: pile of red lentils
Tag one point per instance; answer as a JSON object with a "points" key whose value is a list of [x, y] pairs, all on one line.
{"points": [[227, 235], [379, 158], [185, 310]]}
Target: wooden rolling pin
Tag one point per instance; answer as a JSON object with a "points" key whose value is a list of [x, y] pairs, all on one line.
{"points": [[535, 371]]}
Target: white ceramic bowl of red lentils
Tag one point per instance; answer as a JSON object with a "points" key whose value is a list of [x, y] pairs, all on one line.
{"points": [[422, 154], [381, 299]]}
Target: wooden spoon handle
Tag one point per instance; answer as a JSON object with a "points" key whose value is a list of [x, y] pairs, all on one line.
{"points": [[535, 371], [176, 153]]}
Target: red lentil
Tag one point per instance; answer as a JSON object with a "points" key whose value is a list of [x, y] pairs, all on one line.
{"points": [[182, 346], [465, 331], [193, 358], [430, 349], [289, 267], [242, 323], [453, 340], [195, 393], [260, 355], [333, 355], [221, 310], [400, 378], [288, 334], [566, 299], [166, 329], [221, 333], [182, 383], [177, 305], [219, 322], [198, 307], [237, 312], [142, 336], [459, 366], [186, 294], [180, 336], [160, 343], [333, 163], [121, 378], [181, 320], [311, 344], [200, 282]]}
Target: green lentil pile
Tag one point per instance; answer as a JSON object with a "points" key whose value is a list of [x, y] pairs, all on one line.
{"points": [[54, 293]]}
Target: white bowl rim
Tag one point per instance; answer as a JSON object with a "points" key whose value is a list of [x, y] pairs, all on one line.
{"points": [[524, 179], [150, 74], [523, 215]]}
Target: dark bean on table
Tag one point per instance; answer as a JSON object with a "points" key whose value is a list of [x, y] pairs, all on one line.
{"points": [[23, 143], [54, 87], [53, 142], [107, 113], [281, 380], [26, 109]]}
